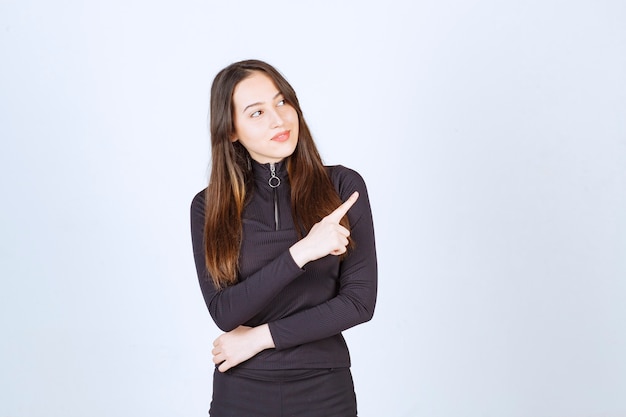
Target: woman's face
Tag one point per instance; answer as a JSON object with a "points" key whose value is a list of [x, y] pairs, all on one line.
{"points": [[265, 124]]}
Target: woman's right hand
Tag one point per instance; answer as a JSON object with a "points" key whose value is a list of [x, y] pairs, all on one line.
{"points": [[327, 237]]}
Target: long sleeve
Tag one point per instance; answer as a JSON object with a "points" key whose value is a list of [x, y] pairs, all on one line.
{"points": [[357, 286], [237, 304], [306, 309]]}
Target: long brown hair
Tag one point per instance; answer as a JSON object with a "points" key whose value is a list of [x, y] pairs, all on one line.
{"points": [[313, 195]]}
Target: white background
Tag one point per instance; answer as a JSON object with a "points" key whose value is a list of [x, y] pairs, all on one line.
{"points": [[492, 137]]}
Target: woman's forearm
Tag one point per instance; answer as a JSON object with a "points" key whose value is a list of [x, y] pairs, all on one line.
{"points": [[234, 347]]}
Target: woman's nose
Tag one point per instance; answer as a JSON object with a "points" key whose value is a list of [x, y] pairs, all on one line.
{"points": [[276, 119]]}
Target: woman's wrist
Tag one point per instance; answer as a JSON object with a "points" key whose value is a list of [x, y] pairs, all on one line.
{"points": [[298, 253], [263, 337]]}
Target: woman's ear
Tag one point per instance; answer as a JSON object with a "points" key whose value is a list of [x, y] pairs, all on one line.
{"points": [[234, 138]]}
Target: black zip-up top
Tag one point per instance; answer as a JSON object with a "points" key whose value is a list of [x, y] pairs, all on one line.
{"points": [[306, 309]]}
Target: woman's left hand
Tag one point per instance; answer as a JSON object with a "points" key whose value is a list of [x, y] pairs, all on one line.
{"points": [[239, 345]]}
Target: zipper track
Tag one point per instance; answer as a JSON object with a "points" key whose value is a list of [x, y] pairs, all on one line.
{"points": [[276, 220], [274, 182]]}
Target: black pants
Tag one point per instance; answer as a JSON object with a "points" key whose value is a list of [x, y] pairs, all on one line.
{"points": [[283, 393]]}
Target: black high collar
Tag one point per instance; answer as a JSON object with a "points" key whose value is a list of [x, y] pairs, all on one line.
{"points": [[263, 171]]}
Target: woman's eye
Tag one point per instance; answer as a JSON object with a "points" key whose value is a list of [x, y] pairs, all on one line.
{"points": [[256, 113], [281, 103]]}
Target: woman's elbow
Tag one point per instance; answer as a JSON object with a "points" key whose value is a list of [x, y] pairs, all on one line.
{"points": [[223, 323], [367, 314], [365, 310]]}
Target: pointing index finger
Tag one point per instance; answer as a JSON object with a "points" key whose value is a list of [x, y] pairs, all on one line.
{"points": [[341, 211]]}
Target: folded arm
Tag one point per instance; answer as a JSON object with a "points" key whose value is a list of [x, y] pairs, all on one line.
{"points": [[235, 305]]}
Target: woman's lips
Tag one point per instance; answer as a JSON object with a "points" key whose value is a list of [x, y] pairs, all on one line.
{"points": [[281, 137]]}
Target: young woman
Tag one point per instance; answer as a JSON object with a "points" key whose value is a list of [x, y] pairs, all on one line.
{"points": [[285, 254]]}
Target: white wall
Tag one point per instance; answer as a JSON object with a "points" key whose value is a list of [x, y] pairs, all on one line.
{"points": [[492, 136]]}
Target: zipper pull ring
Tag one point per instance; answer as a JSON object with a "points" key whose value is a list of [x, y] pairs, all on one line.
{"points": [[274, 181]]}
